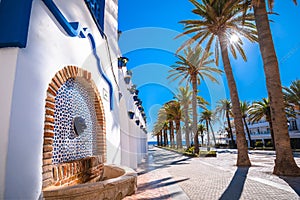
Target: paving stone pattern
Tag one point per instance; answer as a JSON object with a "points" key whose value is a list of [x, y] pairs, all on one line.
{"points": [[168, 175]]}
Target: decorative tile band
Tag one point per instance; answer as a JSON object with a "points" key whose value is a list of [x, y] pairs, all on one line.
{"points": [[73, 102]]}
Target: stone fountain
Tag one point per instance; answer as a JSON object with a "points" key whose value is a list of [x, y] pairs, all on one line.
{"points": [[74, 150]]}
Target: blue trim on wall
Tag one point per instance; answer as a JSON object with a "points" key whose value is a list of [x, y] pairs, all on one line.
{"points": [[92, 40], [71, 28], [14, 22], [74, 29], [97, 9]]}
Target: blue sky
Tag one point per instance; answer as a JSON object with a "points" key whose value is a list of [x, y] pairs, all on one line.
{"points": [[149, 28]]}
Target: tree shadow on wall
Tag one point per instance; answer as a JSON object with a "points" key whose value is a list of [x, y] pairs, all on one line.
{"points": [[236, 186]]}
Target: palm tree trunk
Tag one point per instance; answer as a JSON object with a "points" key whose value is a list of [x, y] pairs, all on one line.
{"points": [[191, 136], [178, 134], [271, 132], [157, 138], [194, 107], [196, 141], [230, 129], [165, 137], [202, 140], [186, 122], [207, 130], [212, 131], [161, 138], [284, 162], [177, 139], [171, 126], [248, 132], [243, 158]]}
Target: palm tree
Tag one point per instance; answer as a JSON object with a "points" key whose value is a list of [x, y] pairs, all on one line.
{"points": [[219, 20], [158, 138], [284, 163], [260, 110], [170, 120], [171, 131], [165, 134], [162, 125], [244, 109], [184, 97], [207, 116], [158, 132], [224, 109], [157, 129], [202, 103], [194, 66], [292, 93], [173, 110], [201, 129]]}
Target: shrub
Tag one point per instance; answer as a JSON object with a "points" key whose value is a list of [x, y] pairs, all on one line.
{"points": [[190, 150], [269, 144], [258, 144], [219, 145], [208, 154]]}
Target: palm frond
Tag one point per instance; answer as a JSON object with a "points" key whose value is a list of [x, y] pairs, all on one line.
{"points": [[219, 17]]}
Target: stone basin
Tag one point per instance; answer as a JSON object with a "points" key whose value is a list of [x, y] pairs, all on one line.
{"points": [[116, 183]]}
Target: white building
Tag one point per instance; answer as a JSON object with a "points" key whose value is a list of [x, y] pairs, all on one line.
{"points": [[63, 92], [260, 131]]}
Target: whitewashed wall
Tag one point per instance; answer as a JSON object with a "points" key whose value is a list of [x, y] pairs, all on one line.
{"points": [[28, 72], [132, 141], [8, 58], [24, 78]]}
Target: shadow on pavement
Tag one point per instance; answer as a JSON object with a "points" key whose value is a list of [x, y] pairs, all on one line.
{"points": [[159, 183], [153, 183], [236, 186], [167, 196], [294, 183], [171, 183], [177, 162], [165, 158]]}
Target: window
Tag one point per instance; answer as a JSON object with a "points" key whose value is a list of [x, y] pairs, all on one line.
{"points": [[293, 125]]}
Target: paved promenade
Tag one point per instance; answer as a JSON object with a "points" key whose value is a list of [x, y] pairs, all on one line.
{"points": [[168, 175]]}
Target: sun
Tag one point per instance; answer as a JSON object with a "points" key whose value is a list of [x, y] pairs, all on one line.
{"points": [[234, 38]]}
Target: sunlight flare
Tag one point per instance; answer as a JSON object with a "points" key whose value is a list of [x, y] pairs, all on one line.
{"points": [[234, 38]]}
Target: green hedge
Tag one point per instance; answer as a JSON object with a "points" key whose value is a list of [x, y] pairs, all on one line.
{"points": [[207, 154]]}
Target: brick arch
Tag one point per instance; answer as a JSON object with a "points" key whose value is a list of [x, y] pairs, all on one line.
{"points": [[71, 173]]}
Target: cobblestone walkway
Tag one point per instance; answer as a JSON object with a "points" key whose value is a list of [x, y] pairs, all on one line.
{"points": [[154, 180], [168, 175]]}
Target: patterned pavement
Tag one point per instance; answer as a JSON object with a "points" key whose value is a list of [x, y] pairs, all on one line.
{"points": [[154, 180], [168, 175]]}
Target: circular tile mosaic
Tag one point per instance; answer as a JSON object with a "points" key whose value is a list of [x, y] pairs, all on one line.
{"points": [[74, 109]]}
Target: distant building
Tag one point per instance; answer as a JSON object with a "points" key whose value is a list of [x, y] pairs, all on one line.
{"points": [[260, 131]]}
